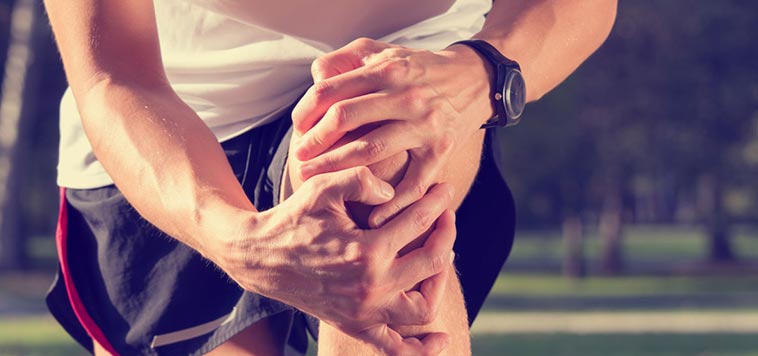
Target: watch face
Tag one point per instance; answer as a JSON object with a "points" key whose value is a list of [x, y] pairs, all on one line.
{"points": [[514, 94]]}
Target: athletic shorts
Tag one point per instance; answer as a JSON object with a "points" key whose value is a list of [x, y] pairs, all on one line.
{"points": [[137, 291]]}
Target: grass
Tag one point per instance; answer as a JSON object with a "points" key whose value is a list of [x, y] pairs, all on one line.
{"points": [[522, 284], [35, 336], [646, 248], [617, 345], [529, 284]]}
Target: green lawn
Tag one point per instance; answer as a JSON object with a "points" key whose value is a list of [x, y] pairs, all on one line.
{"points": [[646, 248], [41, 336], [35, 336], [529, 283], [617, 344]]}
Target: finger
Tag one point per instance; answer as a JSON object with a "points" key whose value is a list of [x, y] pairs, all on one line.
{"points": [[421, 173], [417, 307], [377, 145], [416, 219], [390, 342], [345, 59], [428, 260], [356, 185], [323, 94], [348, 115]]}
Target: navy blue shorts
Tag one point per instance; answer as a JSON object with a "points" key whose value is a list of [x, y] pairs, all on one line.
{"points": [[137, 291]]}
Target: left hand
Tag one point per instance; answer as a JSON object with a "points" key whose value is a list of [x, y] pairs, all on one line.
{"points": [[425, 103]]}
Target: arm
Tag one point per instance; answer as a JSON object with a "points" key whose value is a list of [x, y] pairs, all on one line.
{"points": [[160, 154], [305, 252], [548, 38], [436, 100], [368, 83]]}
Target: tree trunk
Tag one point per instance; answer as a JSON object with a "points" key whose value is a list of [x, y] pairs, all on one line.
{"points": [[609, 231], [573, 248], [716, 219], [16, 111]]}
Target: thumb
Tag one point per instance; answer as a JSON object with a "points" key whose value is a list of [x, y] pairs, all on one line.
{"points": [[360, 185]]}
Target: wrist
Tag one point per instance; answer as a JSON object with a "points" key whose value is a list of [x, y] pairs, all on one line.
{"points": [[473, 77], [217, 227]]}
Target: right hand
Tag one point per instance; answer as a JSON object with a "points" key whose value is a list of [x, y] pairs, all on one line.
{"points": [[307, 252]]}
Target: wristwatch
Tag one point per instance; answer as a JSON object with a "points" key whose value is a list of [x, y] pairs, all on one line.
{"points": [[508, 87]]}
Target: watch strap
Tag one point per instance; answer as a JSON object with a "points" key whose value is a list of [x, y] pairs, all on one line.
{"points": [[500, 65]]}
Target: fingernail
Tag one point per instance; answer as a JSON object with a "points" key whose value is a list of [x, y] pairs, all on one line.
{"points": [[386, 191], [450, 191], [306, 170], [301, 151], [379, 220], [452, 257]]}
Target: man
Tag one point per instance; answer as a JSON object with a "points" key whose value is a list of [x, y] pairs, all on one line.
{"points": [[156, 86]]}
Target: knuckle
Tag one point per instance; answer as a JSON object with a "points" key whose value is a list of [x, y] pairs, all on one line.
{"points": [[417, 98], [315, 138], [363, 42], [422, 219], [418, 190], [328, 163], [434, 117], [363, 176], [395, 52], [394, 70], [374, 148], [342, 115], [319, 64], [438, 263], [321, 91]]}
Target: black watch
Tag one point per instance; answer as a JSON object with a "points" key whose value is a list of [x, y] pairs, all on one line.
{"points": [[508, 88]]}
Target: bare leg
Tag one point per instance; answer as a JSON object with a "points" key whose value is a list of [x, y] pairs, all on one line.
{"points": [[255, 340], [452, 317]]}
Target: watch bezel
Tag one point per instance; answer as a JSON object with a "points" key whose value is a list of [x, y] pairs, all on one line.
{"points": [[513, 112]]}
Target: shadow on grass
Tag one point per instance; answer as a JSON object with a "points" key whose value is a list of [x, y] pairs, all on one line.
{"points": [[616, 344]]}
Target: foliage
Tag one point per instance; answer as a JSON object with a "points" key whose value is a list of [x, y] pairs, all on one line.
{"points": [[670, 97]]}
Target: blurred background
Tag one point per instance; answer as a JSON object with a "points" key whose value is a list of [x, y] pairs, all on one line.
{"points": [[636, 184]]}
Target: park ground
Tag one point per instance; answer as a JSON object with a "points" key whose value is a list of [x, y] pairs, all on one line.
{"points": [[668, 302]]}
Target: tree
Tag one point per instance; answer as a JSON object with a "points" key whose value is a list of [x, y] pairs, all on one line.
{"points": [[32, 85]]}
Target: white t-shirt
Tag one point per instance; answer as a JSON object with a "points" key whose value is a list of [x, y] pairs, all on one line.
{"points": [[239, 63]]}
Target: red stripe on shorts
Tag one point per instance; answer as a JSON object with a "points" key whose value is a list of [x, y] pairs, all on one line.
{"points": [[61, 235]]}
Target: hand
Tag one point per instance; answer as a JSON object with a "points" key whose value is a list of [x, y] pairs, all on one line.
{"points": [[308, 253], [418, 101]]}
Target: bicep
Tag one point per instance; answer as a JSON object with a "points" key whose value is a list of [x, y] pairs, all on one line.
{"points": [[107, 39]]}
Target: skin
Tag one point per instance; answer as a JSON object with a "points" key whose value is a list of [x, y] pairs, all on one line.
{"points": [[306, 252], [433, 103], [173, 171]]}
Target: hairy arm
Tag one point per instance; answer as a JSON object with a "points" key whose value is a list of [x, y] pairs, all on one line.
{"points": [[430, 103], [342, 122], [305, 252], [160, 154]]}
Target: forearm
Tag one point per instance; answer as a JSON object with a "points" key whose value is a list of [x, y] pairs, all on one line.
{"points": [[549, 38], [164, 159]]}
